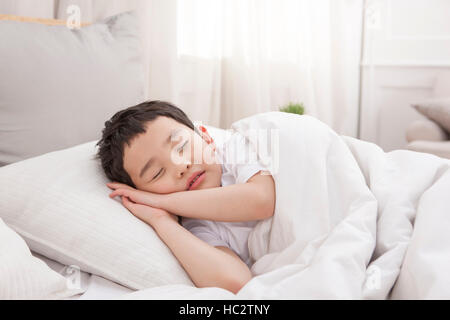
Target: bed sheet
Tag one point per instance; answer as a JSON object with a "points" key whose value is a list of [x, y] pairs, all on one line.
{"points": [[94, 287]]}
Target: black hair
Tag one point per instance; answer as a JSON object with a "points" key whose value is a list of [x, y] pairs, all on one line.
{"points": [[127, 124]]}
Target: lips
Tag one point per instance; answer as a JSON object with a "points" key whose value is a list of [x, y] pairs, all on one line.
{"points": [[193, 178]]}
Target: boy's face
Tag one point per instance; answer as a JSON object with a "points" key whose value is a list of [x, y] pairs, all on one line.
{"points": [[161, 160]]}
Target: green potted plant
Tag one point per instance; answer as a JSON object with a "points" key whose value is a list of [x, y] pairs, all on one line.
{"points": [[297, 108]]}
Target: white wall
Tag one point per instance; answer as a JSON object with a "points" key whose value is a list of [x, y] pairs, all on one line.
{"points": [[406, 50]]}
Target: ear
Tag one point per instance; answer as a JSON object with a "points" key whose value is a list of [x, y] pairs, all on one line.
{"points": [[205, 136]]}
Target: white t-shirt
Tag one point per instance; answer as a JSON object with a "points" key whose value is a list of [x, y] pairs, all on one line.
{"points": [[234, 155]]}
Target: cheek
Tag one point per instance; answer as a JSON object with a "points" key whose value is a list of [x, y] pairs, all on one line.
{"points": [[197, 151], [215, 176], [163, 186], [208, 154]]}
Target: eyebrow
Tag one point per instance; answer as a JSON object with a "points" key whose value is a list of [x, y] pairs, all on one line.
{"points": [[149, 162]]}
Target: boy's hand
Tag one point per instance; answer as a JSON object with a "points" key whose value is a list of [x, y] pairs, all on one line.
{"points": [[147, 214], [137, 196]]}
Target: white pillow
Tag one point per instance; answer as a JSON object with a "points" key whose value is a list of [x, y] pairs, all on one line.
{"points": [[59, 204], [23, 276]]}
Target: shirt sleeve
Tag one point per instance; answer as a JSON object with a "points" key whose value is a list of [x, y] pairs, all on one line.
{"points": [[205, 230], [241, 159]]}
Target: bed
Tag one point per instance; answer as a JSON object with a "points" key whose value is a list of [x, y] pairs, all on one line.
{"points": [[93, 287], [351, 221]]}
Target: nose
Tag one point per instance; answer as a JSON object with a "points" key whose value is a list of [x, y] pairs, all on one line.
{"points": [[183, 169]]}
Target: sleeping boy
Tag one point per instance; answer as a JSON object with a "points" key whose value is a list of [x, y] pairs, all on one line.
{"points": [[165, 170]]}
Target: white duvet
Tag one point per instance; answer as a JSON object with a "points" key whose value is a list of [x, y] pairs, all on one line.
{"points": [[351, 221]]}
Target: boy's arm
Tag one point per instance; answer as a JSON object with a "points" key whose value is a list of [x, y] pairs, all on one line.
{"points": [[206, 265], [253, 200]]}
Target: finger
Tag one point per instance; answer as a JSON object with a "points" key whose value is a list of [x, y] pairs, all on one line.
{"points": [[113, 185], [129, 200], [127, 203], [117, 185], [118, 192], [113, 194]]}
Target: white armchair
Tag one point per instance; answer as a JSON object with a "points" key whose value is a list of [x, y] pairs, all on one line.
{"points": [[427, 136]]}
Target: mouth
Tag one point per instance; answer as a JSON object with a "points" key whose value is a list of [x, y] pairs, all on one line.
{"points": [[195, 180]]}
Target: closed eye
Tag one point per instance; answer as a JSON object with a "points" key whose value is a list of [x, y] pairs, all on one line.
{"points": [[157, 174], [182, 147], [179, 150]]}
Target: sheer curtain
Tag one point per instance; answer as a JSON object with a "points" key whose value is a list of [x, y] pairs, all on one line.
{"points": [[221, 60], [243, 57]]}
